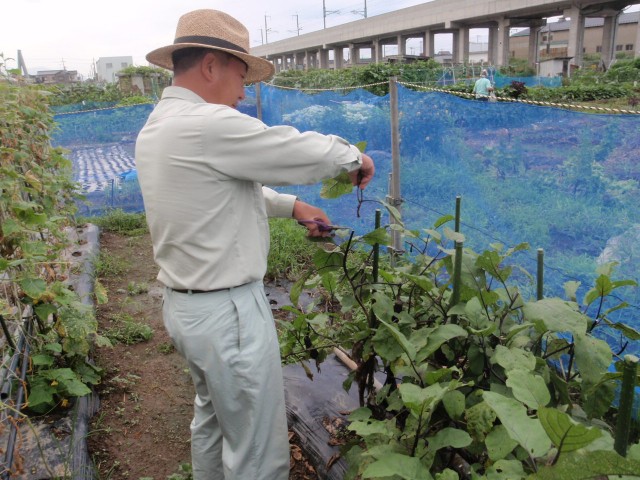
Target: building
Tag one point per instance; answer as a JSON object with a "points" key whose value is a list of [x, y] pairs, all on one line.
{"points": [[108, 67], [50, 77], [553, 39]]}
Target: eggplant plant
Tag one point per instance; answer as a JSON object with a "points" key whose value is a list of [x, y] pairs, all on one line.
{"points": [[473, 379]]}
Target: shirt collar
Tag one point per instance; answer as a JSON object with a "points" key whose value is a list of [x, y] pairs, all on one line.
{"points": [[182, 94]]}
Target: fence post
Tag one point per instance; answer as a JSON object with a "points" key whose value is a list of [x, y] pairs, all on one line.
{"points": [[394, 198], [258, 101]]}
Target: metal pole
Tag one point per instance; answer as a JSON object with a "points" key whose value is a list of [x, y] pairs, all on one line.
{"points": [[258, 101], [540, 282], [394, 193]]}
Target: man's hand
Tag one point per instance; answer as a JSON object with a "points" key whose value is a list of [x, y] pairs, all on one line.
{"points": [[361, 178], [304, 211]]}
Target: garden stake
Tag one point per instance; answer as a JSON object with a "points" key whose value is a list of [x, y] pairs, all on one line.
{"points": [[627, 391], [457, 275], [540, 273], [7, 334], [376, 250], [457, 224]]}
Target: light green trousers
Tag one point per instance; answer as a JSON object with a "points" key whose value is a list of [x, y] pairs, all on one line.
{"points": [[228, 337]]}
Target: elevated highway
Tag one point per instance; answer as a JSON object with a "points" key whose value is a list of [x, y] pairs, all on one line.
{"points": [[456, 17]]}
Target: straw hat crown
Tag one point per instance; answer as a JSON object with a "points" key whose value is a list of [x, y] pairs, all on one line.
{"points": [[218, 31]]}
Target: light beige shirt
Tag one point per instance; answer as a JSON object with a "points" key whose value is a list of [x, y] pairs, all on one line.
{"points": [[202, 168]]}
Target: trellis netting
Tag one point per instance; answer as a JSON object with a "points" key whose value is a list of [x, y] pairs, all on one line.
{"points": [[564, 181]]}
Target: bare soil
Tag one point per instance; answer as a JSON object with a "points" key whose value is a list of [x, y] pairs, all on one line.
{"points": [[142, 426]]}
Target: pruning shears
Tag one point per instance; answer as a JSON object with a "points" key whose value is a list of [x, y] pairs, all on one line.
{"points": [[323, 226]]}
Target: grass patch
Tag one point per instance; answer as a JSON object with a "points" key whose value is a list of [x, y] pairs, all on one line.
{"points": [[126, 330], [291, 252], [108, 265], [118, 221]]}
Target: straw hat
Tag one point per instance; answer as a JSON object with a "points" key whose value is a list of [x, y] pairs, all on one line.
{"points": [[218, 31]]}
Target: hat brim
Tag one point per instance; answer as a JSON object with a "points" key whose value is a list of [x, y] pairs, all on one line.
{"points": [[258, 69]]}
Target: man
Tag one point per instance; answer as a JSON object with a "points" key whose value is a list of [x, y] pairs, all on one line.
{"points": [[482, 87], [202, 166]]}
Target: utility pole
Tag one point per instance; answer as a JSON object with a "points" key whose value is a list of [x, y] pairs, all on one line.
{"points": [[325, 13], [361, 12], [261, 37], [297, 24], [266, 30]]}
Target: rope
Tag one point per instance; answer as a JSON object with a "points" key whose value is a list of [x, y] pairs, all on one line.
{"points": [[531, 102], [329, 89], [103, 108]]}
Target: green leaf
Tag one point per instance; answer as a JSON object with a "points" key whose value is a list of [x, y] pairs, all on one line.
{"points": [[563, 432], [378, 236], [337, 186], [513, 358], [556, 315], [454, 404], [407, 346], [526, 431], [33, 287], [530, 389], [505, 470], [41, 394], [499, 443], [593, 357], [362, 146], [42, 360], [589, 465], [449, 437], [100, 292], [371, 427], [43, 310], [418, 399], [440, 335], [397, 465]]}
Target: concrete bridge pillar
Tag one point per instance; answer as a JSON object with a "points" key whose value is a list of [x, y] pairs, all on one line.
{"points": [[337, 57], [376, 51], [427, 44], [503, 53], [533, 56], [323, 53], [637, 55], [307, 60], [576, 36], [354, 54], [609, 30], [402, 45], [493, 45], [461, 47]]}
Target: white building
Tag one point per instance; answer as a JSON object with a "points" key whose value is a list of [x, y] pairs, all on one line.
{"points": [[107, 67]]}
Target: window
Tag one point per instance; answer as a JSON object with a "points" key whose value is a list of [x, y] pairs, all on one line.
{"points": [[599, 49], [628, 46], [618, 48], [124, 65], [109, 65]]}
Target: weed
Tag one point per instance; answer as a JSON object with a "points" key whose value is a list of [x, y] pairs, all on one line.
{"points": [[116, 220], [166, 348], [126, 330], [135, 288], [290, 252], [107, 265]]}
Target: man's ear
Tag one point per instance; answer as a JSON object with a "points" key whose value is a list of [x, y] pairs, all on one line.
{"points": [[208, 65]]}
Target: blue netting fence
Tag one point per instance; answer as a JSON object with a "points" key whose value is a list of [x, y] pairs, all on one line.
{"points": [[561, 180]]}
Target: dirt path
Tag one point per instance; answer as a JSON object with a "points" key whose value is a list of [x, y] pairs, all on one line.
{"points": [[142, 427]]}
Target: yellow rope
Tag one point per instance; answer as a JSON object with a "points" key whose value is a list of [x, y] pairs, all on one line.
{"points": [[415, 85], [531, 102]]}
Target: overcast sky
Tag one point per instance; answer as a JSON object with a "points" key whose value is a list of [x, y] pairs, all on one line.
{"points": [[72, 34]]}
